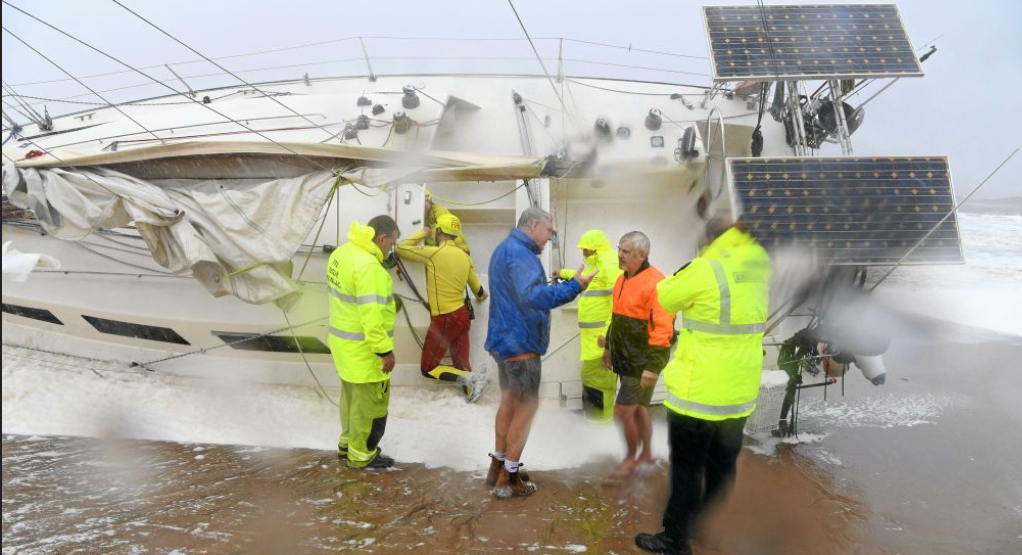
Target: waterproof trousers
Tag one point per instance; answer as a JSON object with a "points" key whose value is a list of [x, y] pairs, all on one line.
{"points": [[598, 386], [703, 455], [447, 331], [363, 420]]}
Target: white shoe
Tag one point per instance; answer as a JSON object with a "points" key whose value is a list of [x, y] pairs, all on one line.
{"points": [[475, 386]]}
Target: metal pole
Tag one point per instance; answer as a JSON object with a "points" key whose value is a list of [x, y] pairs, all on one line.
{"points": [[944, 219], [560, 61], [185, 83], [844, 137], [365, 52], [801, 142]]}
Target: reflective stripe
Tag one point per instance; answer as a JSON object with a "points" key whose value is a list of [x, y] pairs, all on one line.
{"points": [[591, 325], [360, 456], [723, 329], [712, 410], [364, 299], [354, 336], [725, 291], [598, 293]]}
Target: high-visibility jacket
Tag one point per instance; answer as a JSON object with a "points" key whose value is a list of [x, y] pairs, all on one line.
{"points": [[448, 270], [596, 302], [640, 332], [723, 296], [362, 310], [431, 217]]}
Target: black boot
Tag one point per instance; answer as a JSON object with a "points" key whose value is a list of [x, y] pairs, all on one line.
{"points": [[662, 544]]}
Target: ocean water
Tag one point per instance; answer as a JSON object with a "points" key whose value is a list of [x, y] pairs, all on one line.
{"points": [[985, 292]]}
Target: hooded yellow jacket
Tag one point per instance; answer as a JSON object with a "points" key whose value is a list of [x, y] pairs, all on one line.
{"points": [[362, 310], [723, 296], [597, 301]]}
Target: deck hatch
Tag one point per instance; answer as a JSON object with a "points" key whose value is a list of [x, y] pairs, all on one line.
{"points": [[139, 331]]}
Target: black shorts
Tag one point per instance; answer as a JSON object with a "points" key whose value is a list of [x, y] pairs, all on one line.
{"points": [[632, 393], [521, 377]]}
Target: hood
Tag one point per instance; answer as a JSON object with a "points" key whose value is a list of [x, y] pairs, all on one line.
{"points": [[362, 236], [595, 240]]}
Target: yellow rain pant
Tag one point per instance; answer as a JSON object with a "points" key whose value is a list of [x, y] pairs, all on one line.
{"points": [[598, 387], [363, 420]]}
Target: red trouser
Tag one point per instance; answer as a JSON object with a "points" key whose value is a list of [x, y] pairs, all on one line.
{"points": [[447, 331]]}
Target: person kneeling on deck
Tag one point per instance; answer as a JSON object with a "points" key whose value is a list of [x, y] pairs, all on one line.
{"points": [[638, 347], [362, 315], [714, 379], [594, 312], [448, 270]]}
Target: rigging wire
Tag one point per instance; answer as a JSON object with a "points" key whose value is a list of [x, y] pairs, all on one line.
{"points": [[538, 57], [222, 68], [32, 115], [953, 211], [68, 73], [175, 91], [349, 39]]}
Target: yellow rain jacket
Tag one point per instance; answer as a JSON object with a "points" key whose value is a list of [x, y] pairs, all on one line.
{"points": [[448, 269], [597, 302], [362, 310], [723, 296]]}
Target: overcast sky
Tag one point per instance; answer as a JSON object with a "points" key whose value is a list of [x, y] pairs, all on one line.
{"points": [[965, 107]]}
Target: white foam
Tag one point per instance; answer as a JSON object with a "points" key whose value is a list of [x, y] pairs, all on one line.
{"points": [[982, 293], [877, 411], [435, 427]]}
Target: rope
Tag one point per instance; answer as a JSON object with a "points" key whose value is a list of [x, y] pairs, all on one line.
{"points": [[227, 344], [456, 203], [319, 387]]}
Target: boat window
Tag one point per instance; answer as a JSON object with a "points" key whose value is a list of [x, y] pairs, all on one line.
{"points": [[34, 313], [140, 331], [273, 343]]}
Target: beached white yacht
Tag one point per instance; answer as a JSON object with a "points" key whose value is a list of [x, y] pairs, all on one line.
{"points": [[188, 234]]}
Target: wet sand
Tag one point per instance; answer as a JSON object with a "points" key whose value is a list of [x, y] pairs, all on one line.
{"points": [[66, 495], [927, 464]]}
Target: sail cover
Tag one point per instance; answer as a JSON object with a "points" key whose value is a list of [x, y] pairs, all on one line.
{"points": [[198, 229]]}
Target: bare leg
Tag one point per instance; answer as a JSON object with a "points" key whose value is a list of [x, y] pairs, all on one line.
{"points": [[644, 428], [505, 415], [521, 423], [626, 415]]}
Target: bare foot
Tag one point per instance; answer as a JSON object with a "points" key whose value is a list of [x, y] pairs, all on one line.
{"points": [[621, 473]]}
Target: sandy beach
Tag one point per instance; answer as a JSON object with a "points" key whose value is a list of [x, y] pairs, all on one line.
{"points": [[922, 465]]}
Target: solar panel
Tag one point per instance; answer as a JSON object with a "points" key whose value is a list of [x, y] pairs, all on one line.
{"points": [[840, 41], [850, 210]]}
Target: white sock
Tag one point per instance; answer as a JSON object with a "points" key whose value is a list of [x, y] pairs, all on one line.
{"points": [[499, 455], [511, 466]]}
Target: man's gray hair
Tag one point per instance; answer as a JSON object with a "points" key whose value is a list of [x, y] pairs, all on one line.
{"points": [[532, 215], [636, 239]]}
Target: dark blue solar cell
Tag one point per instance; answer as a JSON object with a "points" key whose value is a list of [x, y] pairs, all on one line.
{"points": [[798, 42], [851, 210]]}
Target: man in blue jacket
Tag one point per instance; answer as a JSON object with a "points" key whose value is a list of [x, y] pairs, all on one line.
{"points": [[518, 335]]}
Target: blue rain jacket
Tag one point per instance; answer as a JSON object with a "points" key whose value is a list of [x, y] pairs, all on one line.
{"points": [[521, 299]]}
